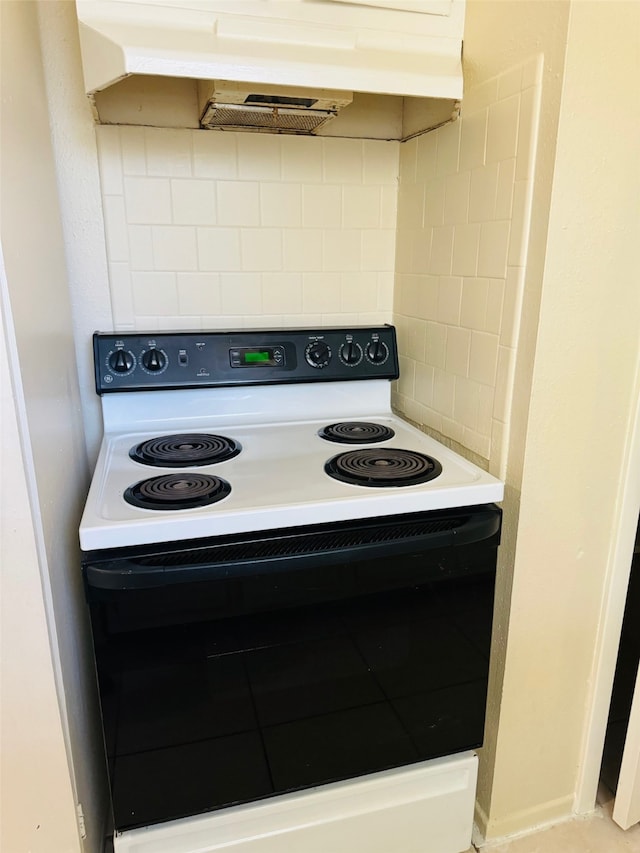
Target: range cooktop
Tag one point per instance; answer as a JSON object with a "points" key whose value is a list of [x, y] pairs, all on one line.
{"points": [[276, 434]]}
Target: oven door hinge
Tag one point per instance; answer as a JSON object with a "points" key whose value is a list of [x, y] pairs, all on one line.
{"points": [[81, 823]]}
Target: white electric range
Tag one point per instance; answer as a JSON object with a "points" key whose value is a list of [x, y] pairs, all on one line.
{"points": [[262, 531]]}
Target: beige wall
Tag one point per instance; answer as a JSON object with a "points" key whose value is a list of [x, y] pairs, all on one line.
{"points": [[47, 578], [573, 405], [73, 137], [36, 795]]}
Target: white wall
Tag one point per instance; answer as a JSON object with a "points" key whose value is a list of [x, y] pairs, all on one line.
{"points": [[42, 357]]}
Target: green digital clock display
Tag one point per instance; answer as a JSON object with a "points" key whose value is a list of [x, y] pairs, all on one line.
{"points": [[257, 357]]}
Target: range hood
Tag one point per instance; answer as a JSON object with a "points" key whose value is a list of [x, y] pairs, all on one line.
{"points": [[297, 66]]}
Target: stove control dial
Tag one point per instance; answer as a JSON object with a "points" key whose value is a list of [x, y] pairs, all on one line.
{"points": [[121, 361], [377, 352], [350, 353], [154, 360], [318, 354]]}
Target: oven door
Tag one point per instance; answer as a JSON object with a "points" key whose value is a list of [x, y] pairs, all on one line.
{"points": [[241, 667]]}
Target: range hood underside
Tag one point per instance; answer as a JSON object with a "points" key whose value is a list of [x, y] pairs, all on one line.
{"points": [[174, 102]]}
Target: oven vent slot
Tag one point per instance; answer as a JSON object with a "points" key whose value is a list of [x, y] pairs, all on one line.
{"points": [[294, 546]]}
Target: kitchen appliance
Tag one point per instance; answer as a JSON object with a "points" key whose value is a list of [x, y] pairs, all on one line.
{"points": [[291, 595], [221, 64]]}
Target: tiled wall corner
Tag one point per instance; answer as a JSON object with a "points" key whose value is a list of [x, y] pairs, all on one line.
{"points": [[464, 208], [208, 229]]}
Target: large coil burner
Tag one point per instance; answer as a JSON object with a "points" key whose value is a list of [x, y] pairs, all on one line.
{"points": [[388, 466], [177, 491], [184, 449]]}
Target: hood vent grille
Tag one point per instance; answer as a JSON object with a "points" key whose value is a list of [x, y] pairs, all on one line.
{"points": [[263, 118], [231, 106]]}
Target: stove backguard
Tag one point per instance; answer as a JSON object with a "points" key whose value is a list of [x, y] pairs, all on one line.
{"points": [[246, 666]]}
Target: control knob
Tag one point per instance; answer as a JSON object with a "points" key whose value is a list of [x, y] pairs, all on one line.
{"points": [[121, 361], [318, 354], [350, 353], [154, 360], [377, 352]]}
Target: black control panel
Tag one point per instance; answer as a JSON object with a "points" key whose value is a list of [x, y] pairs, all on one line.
{"points": [[139, 361]]}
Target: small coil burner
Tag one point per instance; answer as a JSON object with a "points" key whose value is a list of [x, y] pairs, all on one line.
{"points": [[184, 449], [384, 466], [356, 432], [177, 491]]}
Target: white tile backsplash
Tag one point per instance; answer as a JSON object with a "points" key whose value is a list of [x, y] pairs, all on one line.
{"points": [[115, 224], [483, 358], [502, 129], [193, 202], [449, 300], [168, 152], [261, 249], [321, 292], [238, 202], [174, 247], [342, 161], [121, 292], [239, 229], [301, 159], [471, 182], [456, 197], [140, 247], [110, 161], [473, 140], [361, 206], [209, 229], [282, 293], [281, 205], [218, 249], [134, 159], [148, 200], [258, 156], [154, 289], [215, 155], [198, 293], [302, 249], [466, 241], [240, 293], [493, 248], [457, 352], [377, 249], [483, 193], [321, 206], [441, 250]]}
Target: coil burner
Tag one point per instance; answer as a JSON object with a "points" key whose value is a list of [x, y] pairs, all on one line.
{"points": [[177, 491], [389, 466], [356, 432], [185, 449]]}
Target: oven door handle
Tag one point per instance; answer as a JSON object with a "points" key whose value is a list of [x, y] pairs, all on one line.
{"points": [[144, 572]]}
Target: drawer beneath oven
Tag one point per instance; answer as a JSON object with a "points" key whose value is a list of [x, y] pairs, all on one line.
{"points": [[425, 808]]}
